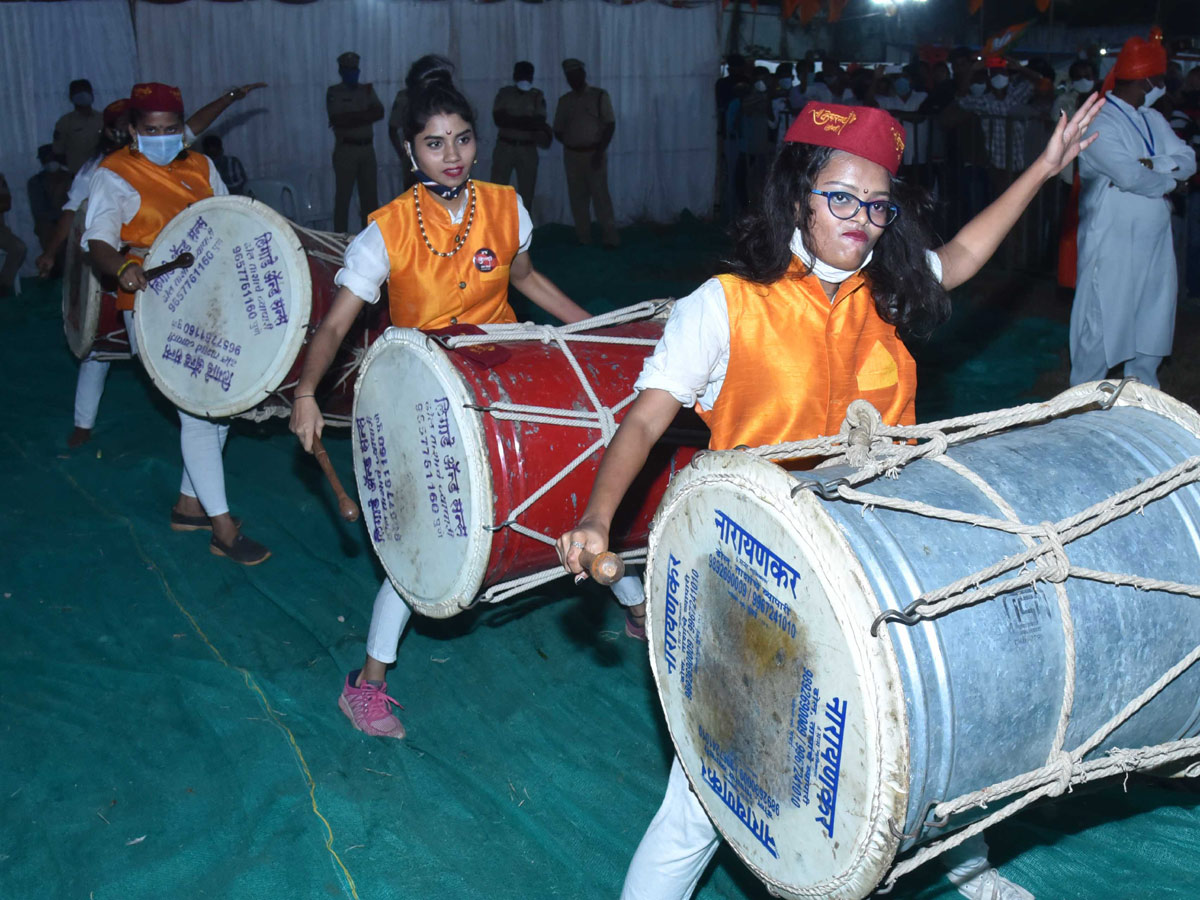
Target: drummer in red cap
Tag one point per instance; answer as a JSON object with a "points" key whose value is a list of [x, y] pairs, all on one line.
{"points": [[830, 275], [134, 193], [1124, 310]]}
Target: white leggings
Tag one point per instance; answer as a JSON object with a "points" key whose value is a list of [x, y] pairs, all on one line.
{"points": [[201, 443], [681, 840], [89, 388], [391, 614]]}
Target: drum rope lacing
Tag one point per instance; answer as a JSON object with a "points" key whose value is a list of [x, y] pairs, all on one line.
{"points": [[330, 247], [599, 417], [873, 448]]}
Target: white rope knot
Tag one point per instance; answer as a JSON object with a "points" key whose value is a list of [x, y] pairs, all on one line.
{"points": [[862, 421], [1054, 566], [1062, 766]]}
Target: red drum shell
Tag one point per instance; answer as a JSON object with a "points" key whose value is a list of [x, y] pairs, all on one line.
{"points": [[503, 462]]}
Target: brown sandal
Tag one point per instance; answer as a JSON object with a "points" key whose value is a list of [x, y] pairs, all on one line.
{"points": [[243, 550]]}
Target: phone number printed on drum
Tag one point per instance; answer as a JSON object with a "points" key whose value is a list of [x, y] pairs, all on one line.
{"points": [[733, 783], [442, 467], [816, 734], [261, 283], [202, 242], [377, 478], [200, 351]]}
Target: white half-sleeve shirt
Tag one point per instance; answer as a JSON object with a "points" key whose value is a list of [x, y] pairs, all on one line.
{"points": [[690, 360], [366, 267], [113, 202]]}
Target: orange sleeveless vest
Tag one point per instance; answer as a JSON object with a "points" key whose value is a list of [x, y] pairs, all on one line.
{"points": [[797, 361], [165, 191], [471, 287]]}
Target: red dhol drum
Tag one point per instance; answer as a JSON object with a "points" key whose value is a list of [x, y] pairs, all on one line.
{"points": [[91, 320], [226, 336], [474, 452]]}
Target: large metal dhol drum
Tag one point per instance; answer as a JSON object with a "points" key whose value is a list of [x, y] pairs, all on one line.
{"points": [[453, 449], [817, 748], [91, 320], [226, 336]]}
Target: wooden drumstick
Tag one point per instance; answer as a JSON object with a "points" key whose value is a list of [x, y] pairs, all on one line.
{"points": [[605, 568], [182, 261], [346, 507]]}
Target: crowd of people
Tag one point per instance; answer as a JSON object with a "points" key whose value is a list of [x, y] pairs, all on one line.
{"points": [[971, 122]]}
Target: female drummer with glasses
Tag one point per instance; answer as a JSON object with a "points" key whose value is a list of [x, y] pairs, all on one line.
{"points": [[829, 275], [448, 249]]}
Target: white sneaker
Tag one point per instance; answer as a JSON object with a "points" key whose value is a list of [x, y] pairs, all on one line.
{"points": [[990, 885]]}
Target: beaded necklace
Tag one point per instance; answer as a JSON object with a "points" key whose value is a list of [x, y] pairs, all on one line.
{"points": [[460, 240]]}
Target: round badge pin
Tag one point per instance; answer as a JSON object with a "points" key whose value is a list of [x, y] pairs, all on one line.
{"points": [[485, 260]]}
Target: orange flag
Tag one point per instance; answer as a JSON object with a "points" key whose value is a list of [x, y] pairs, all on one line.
{"points": [[809, 10], [835, 9]]}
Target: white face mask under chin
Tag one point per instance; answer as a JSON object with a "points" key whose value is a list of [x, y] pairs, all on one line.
{"points": [[823, 270], [524, 85], [1152, 96]]}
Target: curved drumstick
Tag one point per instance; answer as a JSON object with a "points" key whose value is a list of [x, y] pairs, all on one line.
{"points": [[605, 568], [346, 507], [182, 261]]}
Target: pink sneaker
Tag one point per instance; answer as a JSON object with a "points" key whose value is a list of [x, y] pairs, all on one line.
{"points": [[368, 708]]}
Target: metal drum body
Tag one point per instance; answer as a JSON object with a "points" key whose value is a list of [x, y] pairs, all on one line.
{"points": [[91, 320], [226, 336], [435, 475], [804, 736]]}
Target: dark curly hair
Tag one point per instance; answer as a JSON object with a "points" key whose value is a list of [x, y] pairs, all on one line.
{"points": [[906, 293], [431, 91]]}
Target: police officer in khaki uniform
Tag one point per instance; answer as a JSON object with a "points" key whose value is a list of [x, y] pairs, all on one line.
{"points": [[353, 110], [77, 134], [519, 111], [584, 124]]}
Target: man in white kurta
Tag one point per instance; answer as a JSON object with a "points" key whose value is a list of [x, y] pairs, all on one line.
{"points": [[1124, 309]]}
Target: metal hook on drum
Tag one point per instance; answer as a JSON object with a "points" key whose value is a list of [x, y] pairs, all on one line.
{"points": [[923, 822], [903, 616], [1116, 391]]}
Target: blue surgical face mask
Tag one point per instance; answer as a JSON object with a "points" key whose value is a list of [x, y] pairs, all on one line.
{"points": [[999, 82], [785, 83], [903, 86], [350, 76], [82, 98], [524, 85], [977, 88], [160, 149]]}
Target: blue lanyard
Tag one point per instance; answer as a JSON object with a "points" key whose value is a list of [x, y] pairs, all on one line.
{"points": [[1149, 143]]}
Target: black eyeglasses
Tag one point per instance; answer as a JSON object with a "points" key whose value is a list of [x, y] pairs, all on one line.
{"points": [[880, 213]]}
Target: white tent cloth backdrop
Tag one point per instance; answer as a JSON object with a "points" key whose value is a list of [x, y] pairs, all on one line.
{"points": [[46, 46], [657, 63]]}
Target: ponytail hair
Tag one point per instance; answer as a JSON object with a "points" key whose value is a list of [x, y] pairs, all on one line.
{"points": [[431, 92]]}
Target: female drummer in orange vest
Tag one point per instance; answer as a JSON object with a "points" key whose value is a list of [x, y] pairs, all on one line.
{"points": [[448, 249], [134, 193], [829, 275]]}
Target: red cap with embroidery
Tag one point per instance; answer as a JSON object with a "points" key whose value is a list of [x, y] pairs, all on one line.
{"points": [[862, 130], [155, 97], [114, 111]]}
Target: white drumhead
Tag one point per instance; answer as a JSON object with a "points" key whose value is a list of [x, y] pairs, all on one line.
{"points": [[81, 292], [424, 479], [759, 620], [218, 337]]}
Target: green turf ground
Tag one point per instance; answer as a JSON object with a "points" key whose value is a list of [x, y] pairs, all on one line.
{"points": [[168, 725]]}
